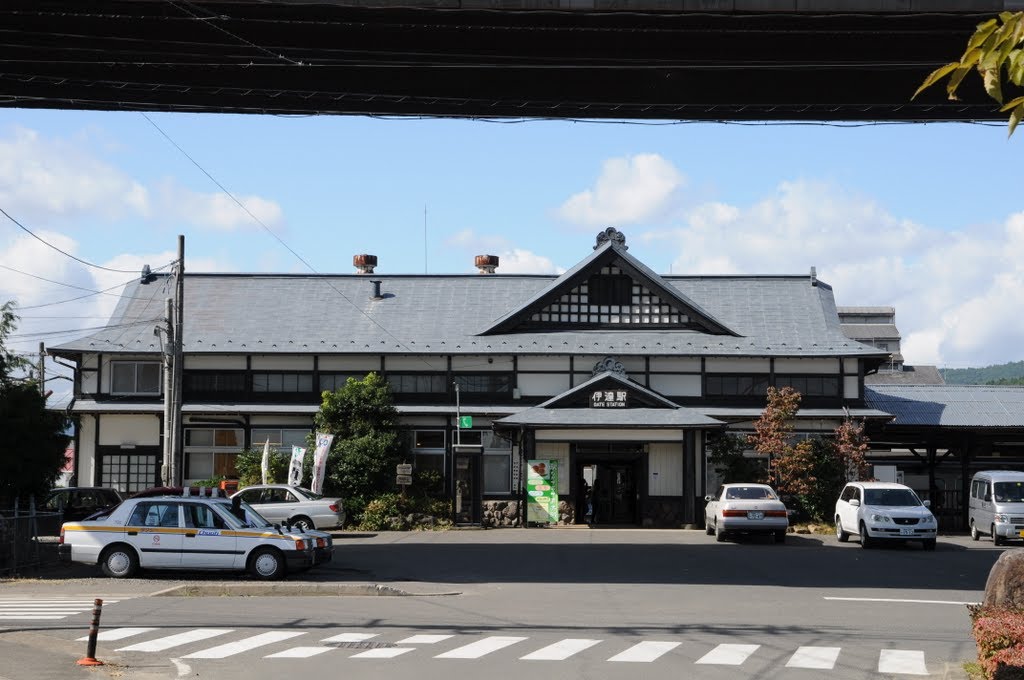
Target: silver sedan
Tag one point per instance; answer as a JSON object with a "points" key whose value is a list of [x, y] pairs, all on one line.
{"points": [[294, 505], [746, 509]]}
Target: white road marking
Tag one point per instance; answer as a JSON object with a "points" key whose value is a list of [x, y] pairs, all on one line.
{"points": [[475, 650], [885, 599], [31, 617], [424, 639], [350, 637], [560, 651], [906, 662], [728, 655], [33, 609], [382, 653], [299, 653], [244, 645], [645, 652], [117, 634], [814, 657], [183, 668], [160, 644]]}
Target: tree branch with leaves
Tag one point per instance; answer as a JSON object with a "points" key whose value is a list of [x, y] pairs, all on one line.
{"points": [[995, 50]]}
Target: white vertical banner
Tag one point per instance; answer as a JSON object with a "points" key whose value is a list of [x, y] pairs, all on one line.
{"points": [[323, 445], [265, 464], [295, 469]]}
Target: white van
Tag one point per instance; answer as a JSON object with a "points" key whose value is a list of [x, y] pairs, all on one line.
{"points": [[997, 505]]}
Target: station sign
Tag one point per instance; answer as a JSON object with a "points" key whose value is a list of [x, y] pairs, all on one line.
{"points": [[608, 399]]}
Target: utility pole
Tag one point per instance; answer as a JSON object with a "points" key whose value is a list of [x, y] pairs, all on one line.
{"points": [[42, 369], [168, 361], [177, 437]]}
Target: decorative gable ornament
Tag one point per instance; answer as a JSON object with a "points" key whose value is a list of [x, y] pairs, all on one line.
{"points": [[611, 234], [609, 365]]}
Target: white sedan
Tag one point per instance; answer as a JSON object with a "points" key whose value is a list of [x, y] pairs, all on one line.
{"points": [[746, 509]]}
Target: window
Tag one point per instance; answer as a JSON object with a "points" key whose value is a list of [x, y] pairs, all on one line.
{"points": [[497, 460], [203, 517], [155, 514], [128, 473], [491, 383], [610, 289], [418, 383], [882, 345], [428, 451], [810, 385], [332, 381], [282, 382], [214, 382], [280, 440], [211, 452], [135, 377], [728, 385]]}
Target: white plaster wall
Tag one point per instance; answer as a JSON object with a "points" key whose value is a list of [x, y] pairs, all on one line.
{"points": [[542, 384], [665, 469], [480, 363], [673, 364], [273, 362], [851, 387], [820, 365], [533, 363], [281, 421], [224, 362], [346, 363], [419, 362], [87, 451], [143, 430], [737, 365], [557, 451], [849, 365], [676, 385]]}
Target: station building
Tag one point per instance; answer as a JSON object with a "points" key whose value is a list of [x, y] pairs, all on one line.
{"points": [[618, 374]]}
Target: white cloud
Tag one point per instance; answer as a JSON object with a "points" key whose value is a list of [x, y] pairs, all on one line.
{"points": [[959, 297], [628, 190], [512, 260], [45, 179]]}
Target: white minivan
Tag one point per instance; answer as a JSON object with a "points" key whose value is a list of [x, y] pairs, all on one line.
{"points": [[997, 505]]}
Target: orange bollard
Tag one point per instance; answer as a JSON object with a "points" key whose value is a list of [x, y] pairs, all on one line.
{"points": [[94, 629]]}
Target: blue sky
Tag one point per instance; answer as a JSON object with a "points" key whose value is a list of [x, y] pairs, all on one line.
{"points": [[926, 218]]}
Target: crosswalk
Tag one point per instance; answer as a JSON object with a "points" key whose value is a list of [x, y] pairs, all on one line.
{"points": [[44, 608], [362, 645]]}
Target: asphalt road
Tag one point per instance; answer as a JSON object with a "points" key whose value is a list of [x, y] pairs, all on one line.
{"points": [[551, 603]]}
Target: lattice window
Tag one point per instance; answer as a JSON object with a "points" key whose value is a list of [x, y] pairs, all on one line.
{"points": [[128, 473], [637, 306]]}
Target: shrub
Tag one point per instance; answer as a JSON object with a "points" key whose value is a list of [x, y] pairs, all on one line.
{"points": [[393, 512], [999, 635]]}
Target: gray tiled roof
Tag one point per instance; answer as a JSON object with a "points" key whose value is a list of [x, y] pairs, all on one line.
{"points": [[428, 314], [949, 405]]}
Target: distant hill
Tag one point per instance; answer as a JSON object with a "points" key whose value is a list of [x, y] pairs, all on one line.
{"points": [[1000, 374]]}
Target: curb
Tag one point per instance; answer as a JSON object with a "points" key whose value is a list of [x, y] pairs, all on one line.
{"points": [[290, 590]]}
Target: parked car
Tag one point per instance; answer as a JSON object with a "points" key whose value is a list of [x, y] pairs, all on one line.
{"points": [[746, 509], [189, 532], [75, 503], [293, 505], [996, 505], [884, 511]]}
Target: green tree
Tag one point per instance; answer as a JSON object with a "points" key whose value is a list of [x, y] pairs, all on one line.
{"points": [[726, 454], [32, 439], [995, 51], [367, 442], [249, 466]]}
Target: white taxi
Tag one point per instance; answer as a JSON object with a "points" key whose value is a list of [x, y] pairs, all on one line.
{"points": [[189, 532]]}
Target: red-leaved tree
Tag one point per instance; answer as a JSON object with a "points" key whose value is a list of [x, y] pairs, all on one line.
{"points": [[774, 430]]}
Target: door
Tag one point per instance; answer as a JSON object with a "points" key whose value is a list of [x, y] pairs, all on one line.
{"points": [[209, 542], [615, 492], [847, 512], [155, 530], [467, 492]]}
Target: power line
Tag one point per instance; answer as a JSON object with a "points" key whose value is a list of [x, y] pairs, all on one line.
{"points": [[59, 283], [50, 245]]}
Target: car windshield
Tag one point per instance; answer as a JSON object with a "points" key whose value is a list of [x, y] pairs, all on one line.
{"points": [[311, 495], [751, 493], [1009, 492], [891, 497]]}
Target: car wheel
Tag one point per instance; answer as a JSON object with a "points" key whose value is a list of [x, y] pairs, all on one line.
{"points": [[841, 535], [865, 540], [780, 536], [709, 528], [119, 561], [719, 533], [996, 538], [929, 544], [302, 523], [267, 564], [975, 534]]}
